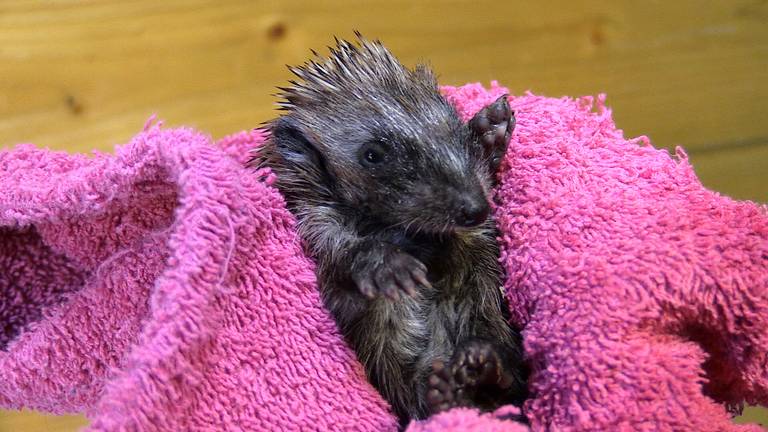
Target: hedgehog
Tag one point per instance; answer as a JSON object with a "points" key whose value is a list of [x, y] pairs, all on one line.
{"points": [[391, 193]]}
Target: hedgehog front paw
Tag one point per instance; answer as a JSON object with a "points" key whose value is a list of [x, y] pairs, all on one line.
{"points": [[493, 126], [388, 271]]}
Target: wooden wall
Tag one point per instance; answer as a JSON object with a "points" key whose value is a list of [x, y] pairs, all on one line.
{"points": [[81, 75]]}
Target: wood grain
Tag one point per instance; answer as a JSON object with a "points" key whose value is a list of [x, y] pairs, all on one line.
{"points": [[82, 75], [29, 421], [742, 171], [87, 74]]}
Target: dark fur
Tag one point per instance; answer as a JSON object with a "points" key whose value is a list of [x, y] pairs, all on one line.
{"points": [[378, 230]]}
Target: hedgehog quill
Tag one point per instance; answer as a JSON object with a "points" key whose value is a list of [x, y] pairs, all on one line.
{"points": [[391, 193]]}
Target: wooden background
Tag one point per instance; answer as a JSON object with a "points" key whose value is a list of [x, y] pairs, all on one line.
{"points": [[82, 75]]}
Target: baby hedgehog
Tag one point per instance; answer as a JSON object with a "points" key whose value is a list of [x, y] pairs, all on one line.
{"points": [[391, 193]]}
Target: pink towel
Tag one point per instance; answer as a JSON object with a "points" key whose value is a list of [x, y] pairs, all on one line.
{"points": [[164, 288]]}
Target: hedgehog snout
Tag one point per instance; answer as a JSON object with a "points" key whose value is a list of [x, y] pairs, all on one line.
{"points": [[473, 210]]}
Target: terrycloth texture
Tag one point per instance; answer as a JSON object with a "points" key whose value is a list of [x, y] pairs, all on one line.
{"points": [[628, 276], [470, 420], [164, 288]]}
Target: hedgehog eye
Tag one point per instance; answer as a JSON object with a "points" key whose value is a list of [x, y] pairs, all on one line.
{"points": [[373, 154], [373, 157]]}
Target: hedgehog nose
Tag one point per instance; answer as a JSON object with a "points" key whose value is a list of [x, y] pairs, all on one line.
{"points": [[472, 212]]}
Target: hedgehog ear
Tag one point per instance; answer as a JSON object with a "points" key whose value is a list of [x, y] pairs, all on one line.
{"points": [[294, 145]]}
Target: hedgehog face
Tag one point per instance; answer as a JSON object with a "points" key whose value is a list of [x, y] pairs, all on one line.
{"points": [[381, 140], [412, 172], [422, 185]]}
